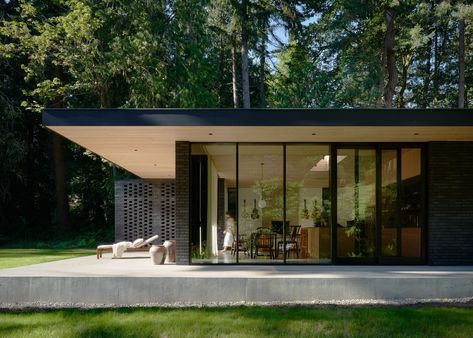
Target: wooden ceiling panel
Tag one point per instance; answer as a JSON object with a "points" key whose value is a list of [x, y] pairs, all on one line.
{"points": [[148, 151]]}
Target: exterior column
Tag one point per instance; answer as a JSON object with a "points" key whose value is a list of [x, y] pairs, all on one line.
{"points": [[183, 149], [450, 198]]}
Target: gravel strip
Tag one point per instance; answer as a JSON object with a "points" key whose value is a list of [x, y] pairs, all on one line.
{"points": [[20, 307]]}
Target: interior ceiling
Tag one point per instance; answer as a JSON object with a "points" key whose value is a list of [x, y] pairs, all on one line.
{"points": [[148, 151], [300, 160]]}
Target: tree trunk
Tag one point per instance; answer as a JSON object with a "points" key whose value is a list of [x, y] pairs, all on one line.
{"points": [[461, 63], [234, 71], [221, 69], [406, 63], [390, 89], [424, 95], [466, 97], [104, 99], [262, 74], [382, 75], [435, 78], [244, 54], [426, 82], [62, 204]]}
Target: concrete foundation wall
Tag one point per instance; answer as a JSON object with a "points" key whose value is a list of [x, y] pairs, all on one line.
{"points": [[450, 203], [73, 291]]}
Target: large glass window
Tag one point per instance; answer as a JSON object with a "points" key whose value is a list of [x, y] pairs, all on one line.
{"points": [[213, 222], [272, 203], [260, 201], [308, 203], [356, 202], [410, 202], [401, 202], [389, 205]]}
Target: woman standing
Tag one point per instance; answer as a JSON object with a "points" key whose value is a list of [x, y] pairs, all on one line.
{"points": [[229, 226]]}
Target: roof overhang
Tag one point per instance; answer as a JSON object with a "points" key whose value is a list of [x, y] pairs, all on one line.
{"points": [[143, 140]]}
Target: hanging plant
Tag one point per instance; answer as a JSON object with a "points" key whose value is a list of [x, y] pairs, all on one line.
{"points": [[254, 213], [305, 211], [245, 214]]}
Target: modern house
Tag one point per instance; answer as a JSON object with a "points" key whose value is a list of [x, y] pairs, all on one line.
{"points": [[301, 186]]}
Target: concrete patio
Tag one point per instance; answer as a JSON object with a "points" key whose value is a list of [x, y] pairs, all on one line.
{"points": [[133, 280]]}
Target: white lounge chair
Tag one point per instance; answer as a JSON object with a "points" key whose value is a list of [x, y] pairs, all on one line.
{"points": [[139, 245]]}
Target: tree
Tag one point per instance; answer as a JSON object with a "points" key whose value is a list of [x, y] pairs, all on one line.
{"points": [[225, 53], [245, 80], [464, 15], [461, 63], [389, 16]]}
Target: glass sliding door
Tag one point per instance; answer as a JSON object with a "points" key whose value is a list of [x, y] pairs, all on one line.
{"points": [[356, 203], [389, 203], [274, 203], [213, 224], [260, 203], [401, 204], [307, 204], [411, 202]]}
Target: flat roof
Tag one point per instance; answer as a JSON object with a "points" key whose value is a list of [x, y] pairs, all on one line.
{"points": [[143, 140], [257, 117]]}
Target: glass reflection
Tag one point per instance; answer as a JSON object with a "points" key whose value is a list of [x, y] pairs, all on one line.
{"points": [[213, 181], [260, 197], [356, 202], [308, 203], [389, 219], [410, 194]]}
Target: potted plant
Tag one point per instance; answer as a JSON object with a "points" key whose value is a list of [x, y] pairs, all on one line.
{"points": [[316, 214], [325, 214], [305, 212]]}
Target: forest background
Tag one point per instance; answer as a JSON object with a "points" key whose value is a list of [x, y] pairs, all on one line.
{"points": [[199, 53]]}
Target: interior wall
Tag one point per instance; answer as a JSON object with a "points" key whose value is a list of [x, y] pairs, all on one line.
{"points": [[222, 208], [212, 209]]}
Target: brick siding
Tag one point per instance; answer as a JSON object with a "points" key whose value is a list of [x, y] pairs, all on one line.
{"points": [[450, 203], [182, 202]]}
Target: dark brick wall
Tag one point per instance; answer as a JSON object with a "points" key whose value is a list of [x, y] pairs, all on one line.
{"points": [[182, 202], [450, 203]]}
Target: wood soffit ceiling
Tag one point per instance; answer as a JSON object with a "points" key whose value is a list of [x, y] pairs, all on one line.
{"points": [[149, 151]]}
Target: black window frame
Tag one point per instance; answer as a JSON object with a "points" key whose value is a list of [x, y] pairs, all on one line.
{"points": [[378, 259]]}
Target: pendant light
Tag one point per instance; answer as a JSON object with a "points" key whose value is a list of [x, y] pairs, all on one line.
{"points": [[262, 202]]}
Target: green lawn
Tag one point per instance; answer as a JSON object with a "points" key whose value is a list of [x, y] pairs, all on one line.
{"points": [[10, 258], [243, 322]]}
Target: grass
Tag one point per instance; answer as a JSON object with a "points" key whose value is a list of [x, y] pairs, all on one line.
{"points": [[423, 321], [10, 258]]}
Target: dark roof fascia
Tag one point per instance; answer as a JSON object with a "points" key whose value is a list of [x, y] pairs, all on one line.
{"points": [[257, 117]]}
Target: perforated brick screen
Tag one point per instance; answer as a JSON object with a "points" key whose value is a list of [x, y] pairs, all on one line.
{"points": [[143, 209]]}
